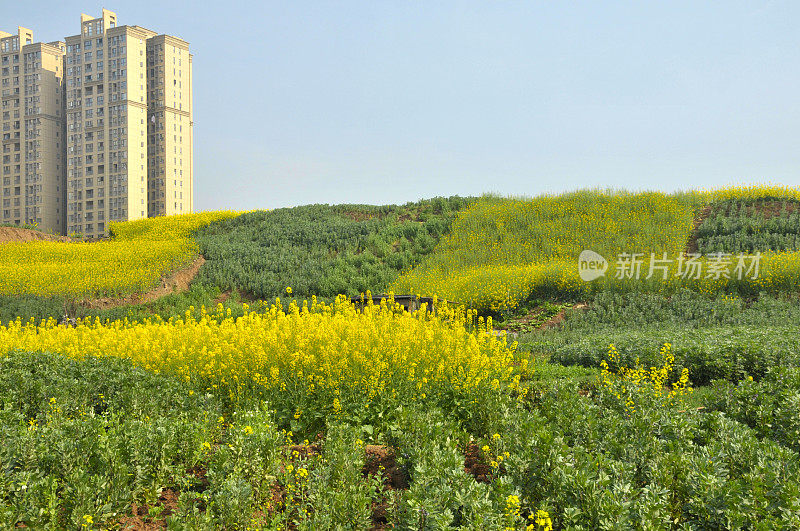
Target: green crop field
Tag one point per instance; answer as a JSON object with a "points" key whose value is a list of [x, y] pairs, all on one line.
{"points": [[262, 398]]}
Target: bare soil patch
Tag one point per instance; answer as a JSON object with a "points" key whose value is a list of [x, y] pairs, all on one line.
{"points": [[382, 460], [405, 218], [475, 463], [771, 209], [244, 296], [534, 320], [14, 234], [201, 478], [140, 519], [304, 451], [357, 215], [225, 295]]}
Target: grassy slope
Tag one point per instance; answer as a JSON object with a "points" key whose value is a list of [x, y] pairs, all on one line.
{"points": [[317, 250], [503, 252], [714, 338], [323, 250], [134, 260]]}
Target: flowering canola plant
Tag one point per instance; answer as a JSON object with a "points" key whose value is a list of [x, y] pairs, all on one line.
{"points": [[631, 384], [501, 252], [329, 352], [139, 254]]}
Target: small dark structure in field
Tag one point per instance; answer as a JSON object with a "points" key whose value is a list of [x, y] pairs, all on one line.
{"points": [[410, 303]]}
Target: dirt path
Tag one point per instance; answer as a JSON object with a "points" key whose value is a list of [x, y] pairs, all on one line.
{"points": [[15, 234], [702, 214], [176, 282]]}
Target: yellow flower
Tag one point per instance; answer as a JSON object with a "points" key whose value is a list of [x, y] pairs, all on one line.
{"points": [[543, 520], [512, 502]]}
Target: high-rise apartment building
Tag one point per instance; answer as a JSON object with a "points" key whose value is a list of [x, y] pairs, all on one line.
{"points": [[123, 99], [169, 102], [33, 143], [95, 129]]}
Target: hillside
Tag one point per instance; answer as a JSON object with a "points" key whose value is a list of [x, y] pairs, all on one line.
{"points": [[321, 250], [494, 254], [504, 252], [135, 259], [628, 403]]}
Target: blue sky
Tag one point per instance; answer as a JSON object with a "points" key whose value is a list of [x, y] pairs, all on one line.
{"points": [[387, 102]]}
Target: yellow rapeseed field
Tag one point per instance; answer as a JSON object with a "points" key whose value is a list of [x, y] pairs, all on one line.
{"points": [[500, 252], [133, 260], [319, 349]]}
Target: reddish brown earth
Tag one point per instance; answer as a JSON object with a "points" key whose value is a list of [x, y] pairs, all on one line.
{"points": [[225, 295], [771, 209], [200, 476], [14, 234], [383, 460], [475, 463], [244, 296], [357, 215], [533, 315], [554, 321], [377, 460], [139, 520]]}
